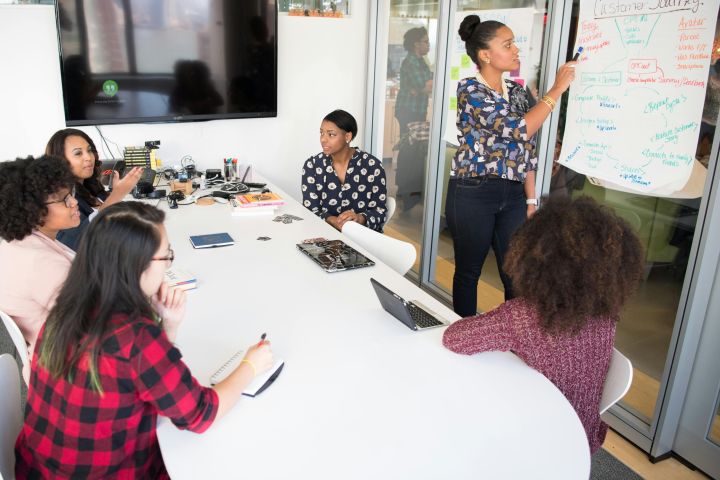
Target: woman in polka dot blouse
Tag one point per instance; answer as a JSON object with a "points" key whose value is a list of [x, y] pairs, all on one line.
{"points": [[343, 183]]}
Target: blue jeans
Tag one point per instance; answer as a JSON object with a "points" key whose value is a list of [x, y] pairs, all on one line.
{"points": [[480, 212]]}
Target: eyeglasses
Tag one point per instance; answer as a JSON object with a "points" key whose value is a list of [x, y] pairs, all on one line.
{"points": [[67, 199], [168, 258]]}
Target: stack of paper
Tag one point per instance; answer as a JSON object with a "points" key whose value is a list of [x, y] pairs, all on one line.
{"points": [[179, 278]]}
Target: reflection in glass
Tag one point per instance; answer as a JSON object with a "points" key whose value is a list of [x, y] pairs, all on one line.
{"points": [[408, 97], [714, 434]]}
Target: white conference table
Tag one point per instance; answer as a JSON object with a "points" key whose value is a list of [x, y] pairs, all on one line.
{"points": [[361, 396]]}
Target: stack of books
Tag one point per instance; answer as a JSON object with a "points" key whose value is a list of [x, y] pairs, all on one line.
{"points": [[140, 157], [179, 278], [256, 204]]}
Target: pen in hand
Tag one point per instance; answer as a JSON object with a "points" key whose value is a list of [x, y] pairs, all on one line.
{"points": [[577, 54], [262, 339]]}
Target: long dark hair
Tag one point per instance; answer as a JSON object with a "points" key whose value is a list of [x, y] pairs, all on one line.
{"points": [[574, 260], [477, 35], [104, 280], [89, 189]]}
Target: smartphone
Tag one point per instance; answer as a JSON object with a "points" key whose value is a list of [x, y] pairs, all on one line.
{"points": [[106, 172]]}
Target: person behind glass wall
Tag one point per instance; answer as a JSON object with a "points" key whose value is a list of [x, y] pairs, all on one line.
{"points": [[343, 183], [415, 80], [573, 264], [492, 183], [37, 201], [106, 360], [78, 149]]}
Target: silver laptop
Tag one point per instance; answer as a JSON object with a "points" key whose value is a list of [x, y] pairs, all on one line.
{"points": [[412, 315], [334, 255]]}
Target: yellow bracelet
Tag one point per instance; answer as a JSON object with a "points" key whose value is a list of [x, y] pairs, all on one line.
{"points": [[245, 360], [548, 98]]}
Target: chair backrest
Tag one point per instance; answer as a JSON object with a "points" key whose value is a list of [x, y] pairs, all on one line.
{"points": [[617, 382], [17, 338], [396, 254], [390, 204], [11, 415]]}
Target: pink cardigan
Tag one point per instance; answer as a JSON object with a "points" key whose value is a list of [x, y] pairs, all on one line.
{"points": [[33, 270], [576, 364]]}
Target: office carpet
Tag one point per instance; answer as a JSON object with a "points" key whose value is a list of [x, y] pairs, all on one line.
{"points": [[606, 467]]}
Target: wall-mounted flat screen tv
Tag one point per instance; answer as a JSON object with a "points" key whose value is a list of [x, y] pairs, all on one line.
{"points": [[129, 61]]}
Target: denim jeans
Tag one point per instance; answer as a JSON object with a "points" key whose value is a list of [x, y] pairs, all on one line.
{"points": [[481, 212]]}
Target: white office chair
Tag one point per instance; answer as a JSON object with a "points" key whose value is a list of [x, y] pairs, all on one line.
{"points": [[11, 415], [617, 382], [390, 205], [396, 254], [17, 338]]}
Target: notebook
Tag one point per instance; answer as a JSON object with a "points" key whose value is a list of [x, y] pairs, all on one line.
{"points": [[211, 240], [334, 255], [409, 313], [259, 384]]}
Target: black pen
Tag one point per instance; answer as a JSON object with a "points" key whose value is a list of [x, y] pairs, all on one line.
{"points": [[262, 339]]}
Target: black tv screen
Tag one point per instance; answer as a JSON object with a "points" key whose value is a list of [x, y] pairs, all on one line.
{"points": [[128, 61]]}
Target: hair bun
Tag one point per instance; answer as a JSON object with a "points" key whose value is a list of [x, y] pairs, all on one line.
{"points": [[468, 26]]}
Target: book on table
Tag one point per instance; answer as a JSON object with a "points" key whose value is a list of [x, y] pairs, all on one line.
{"points": [[256, 200], [180, 278]]}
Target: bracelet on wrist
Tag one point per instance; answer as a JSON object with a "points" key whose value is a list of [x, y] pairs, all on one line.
{"points": [[548, 98], [532, 201]]}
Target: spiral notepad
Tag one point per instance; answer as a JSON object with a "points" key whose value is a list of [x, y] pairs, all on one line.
{"points": [[260, 383]]}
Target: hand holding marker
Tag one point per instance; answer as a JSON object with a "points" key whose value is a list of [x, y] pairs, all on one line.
{"points": [[577, 54]]}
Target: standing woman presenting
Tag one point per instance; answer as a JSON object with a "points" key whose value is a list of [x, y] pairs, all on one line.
{"points": [[492, 182]]}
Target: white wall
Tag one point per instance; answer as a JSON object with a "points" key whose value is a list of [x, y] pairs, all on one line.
{"points": [[321, 66]]}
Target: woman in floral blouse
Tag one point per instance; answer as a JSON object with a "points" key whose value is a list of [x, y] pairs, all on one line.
{"points": [[343, 183], [492, 182]]}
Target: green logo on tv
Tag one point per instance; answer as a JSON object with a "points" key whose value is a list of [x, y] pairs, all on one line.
{"points": [[110, 87]]}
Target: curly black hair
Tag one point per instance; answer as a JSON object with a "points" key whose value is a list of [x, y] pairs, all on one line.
{"points": [[25, 185], [574, 260], [88, 189]]}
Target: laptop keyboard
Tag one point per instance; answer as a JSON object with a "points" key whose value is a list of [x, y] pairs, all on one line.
{"points": [[422, 318]]}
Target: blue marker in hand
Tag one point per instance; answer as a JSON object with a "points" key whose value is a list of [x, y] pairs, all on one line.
{"points": [[577, 55]]}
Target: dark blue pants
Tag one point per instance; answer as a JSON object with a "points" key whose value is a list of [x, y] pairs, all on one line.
{"points": [[481, 212]]}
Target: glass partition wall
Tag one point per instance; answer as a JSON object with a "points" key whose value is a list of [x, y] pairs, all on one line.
{"points": [[651, 328]]}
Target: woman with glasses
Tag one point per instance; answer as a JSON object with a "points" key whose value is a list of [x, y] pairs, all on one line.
{"points": [[106, 360], [78, 149], [37, 202]]}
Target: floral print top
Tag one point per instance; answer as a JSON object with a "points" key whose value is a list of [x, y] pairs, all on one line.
{"points": [[493, 136], [364, 190]]}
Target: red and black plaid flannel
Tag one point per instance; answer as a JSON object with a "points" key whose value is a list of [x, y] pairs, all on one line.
{"points": [[72, 431]]}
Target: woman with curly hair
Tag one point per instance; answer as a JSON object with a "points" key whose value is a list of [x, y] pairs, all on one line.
{"points": [[78, 149], [37, 201], [573, 264]]}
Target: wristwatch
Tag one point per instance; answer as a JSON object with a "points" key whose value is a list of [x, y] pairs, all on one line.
{"points": [[532, 201]]}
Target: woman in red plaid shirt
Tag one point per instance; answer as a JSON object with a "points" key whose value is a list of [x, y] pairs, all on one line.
{"points": [[105, 365]]}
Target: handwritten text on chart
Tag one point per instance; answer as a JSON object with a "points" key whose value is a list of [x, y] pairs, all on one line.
{"points": [[622, 8]]}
